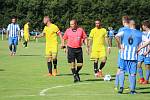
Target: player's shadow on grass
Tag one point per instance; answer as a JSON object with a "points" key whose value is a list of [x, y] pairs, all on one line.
{"points": [[84, 74], [142, 88], [28, 55], [94, 80], [144, 92], [2, 70], [115, 75]]}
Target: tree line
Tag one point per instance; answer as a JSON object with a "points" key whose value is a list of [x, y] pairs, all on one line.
{"points": [[62, 11]]}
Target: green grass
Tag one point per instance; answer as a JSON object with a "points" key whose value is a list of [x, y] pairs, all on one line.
{"points": [[24, 76]]}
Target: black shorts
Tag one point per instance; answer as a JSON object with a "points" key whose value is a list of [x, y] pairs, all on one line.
{"points": [[75, 54]]}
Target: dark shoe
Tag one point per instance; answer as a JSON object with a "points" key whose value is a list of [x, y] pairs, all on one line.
{"points": [[120, 90]]}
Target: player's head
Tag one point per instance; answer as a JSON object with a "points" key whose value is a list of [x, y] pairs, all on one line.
{"points": [[73, 24], [97, 23], [110, 28], [13, 19], [125, 20], [132, 24], [46, 20], [146, 25]]}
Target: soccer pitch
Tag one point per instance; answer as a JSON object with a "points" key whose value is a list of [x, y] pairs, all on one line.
{"points": [[24, 77]]}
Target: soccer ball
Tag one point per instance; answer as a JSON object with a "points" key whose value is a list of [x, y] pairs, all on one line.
{"points": [[107, 77]]}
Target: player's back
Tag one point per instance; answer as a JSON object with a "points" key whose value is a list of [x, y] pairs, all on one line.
{"points": [[130, 42]]}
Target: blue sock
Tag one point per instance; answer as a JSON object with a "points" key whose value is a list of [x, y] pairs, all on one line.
{"points": [[121, 78], [140, 71], [147, 74], [117, 81], [132, 80]]}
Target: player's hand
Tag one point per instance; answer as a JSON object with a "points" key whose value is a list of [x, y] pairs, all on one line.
{"points": [[139, 49], [145, 53], [121, 48], [65, 50]]}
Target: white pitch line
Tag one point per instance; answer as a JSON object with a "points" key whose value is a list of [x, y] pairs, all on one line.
{"points": [[42, 93]]}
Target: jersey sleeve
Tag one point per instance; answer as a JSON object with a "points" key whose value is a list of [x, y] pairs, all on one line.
{"points": [[18, 28], [119, 34], [105, 33], [84, 34], [8, 27], [91, 34], [65, 37], [44, 30]]}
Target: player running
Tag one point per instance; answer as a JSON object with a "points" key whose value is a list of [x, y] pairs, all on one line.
{"points": [[75, 36], [125, 22], [98, 37], [26, 34], [144, 54], [13, 30], [50, 32], [129, 40]]}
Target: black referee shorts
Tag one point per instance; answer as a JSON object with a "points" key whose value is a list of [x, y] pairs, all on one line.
{"points": [[75, 54]]}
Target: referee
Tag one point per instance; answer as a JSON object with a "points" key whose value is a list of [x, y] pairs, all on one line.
{"points": [[75, 36], [12, 32]]}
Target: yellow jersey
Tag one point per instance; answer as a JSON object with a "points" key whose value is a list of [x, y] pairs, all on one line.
{"points": [[51, 35], [98, 36], [26, 30]]}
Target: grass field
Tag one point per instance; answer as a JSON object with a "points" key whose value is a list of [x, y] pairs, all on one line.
{"points": [[24, 77]]}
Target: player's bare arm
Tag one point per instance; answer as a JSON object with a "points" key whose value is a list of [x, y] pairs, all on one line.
{"points": [[40, 35], [108, 45]]}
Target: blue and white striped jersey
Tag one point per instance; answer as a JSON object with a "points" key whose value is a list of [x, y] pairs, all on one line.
{"points": [[146, 37], [13, 30], [130, 39]]}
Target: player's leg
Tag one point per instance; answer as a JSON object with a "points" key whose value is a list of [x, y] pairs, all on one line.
{"points": [[54, 56], [94, 57], [139, 69], [117, 73], [49, 65], [122, 76], [15, 42], [117, 79], [49, 60], [79, 58], [71, 62], [10, 45], [132, 70], [147, 74], [102, 56], [147, 65]]}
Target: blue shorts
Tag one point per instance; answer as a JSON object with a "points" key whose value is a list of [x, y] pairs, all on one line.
{"points": [[129, 66], [13, 40], [142, 58]]}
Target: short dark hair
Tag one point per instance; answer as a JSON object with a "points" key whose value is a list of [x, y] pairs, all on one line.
{"points": [[146, 23], [13, 17], [75, 20], [126, 19]]}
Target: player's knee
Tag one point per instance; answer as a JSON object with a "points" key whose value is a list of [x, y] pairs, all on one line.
{"points": [[71, 65], [104, 59], [96, 60], [49, 59], [147, 67], [79, 64]]}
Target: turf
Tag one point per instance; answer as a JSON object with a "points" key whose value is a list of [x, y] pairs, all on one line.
{"points": [[24, 76]]}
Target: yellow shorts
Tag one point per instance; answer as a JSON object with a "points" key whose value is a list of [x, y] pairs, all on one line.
{"points": [[26, 38], [98, 54], [51, 51]]}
